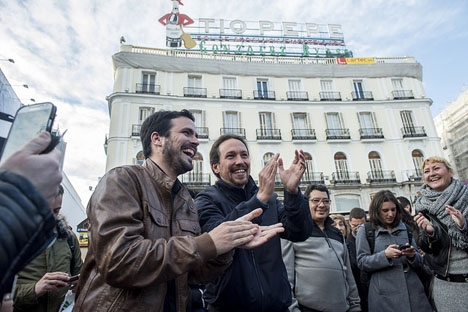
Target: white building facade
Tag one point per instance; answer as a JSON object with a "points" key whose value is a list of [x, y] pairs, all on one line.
{"points": [[364, 125], [452, 127]]}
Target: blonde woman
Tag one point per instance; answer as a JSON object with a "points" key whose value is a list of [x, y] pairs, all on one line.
{"points": [[340, 223]]}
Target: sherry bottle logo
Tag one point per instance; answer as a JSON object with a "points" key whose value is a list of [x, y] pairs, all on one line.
{"points": [[174, 22]]}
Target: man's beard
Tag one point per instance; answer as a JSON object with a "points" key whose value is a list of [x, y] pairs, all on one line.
{"points": [[174, 159]]}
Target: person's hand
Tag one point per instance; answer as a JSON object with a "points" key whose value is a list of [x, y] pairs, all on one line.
{"points": [[457, 216], [72, 282], [264, 234], [423, 223], [42, 170], [292, 176], [231, 234], [51, 281], [392, 251], [409, 252], [266, 179]]}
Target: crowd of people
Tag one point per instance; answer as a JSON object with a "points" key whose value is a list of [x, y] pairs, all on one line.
{"points": [[156, 246]]}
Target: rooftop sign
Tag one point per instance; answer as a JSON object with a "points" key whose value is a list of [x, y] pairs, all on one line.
{"points": [[219, 36]]}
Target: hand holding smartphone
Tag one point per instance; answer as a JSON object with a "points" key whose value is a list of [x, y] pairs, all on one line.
{"points": [[29, 121]]}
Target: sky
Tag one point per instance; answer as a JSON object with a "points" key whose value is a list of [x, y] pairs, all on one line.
{"points": [[63, 51]]}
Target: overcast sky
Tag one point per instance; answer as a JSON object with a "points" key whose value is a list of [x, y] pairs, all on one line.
{"points": [[63, 50]]}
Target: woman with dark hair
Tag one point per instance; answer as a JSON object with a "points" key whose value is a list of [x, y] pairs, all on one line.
{"points": [[442, 212], [391, 259]]}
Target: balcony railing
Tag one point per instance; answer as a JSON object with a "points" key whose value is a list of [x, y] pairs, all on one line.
{"points": [[297, 95], [136, 130], [195, 179], [264, 95], [381, 176], [148, 88], [330, 96], [236, 131], [338, 134], [362, 96], [412, 175], [413, 132], [345, 177], [195, 92], [303, 134], [402, 94], [312, 178], [230, 93], [203, 132], [268, 134], [371, 133]]}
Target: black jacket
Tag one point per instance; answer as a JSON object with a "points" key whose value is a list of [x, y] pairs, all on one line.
{"points": [[436, 246], [26, 226], [257, 278]]}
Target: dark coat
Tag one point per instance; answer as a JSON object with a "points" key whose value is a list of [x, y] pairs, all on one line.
{"points": [[26, 226], [257, 278]]}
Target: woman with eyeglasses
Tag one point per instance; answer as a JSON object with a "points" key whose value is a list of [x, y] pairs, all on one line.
{"points": [[389, 254], [442, 212]]}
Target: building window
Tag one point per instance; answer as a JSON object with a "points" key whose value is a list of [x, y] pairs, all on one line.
{"points": [[369, 128], [296, 92], [358, 90], [202, 130], [341, 165], [229, 89], [232, 124], [194, 87], [399, 92], [328, 92], [418, 159], [148, 83], [375, 165], [335, 126], [346, 202], [144, 113], [262, 90], [267, 124]]}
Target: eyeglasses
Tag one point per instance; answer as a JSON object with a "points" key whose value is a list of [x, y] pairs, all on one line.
{"points": [[317, 201]]}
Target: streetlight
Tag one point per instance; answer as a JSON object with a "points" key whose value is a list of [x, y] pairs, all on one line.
{"points": [[8, 60]]}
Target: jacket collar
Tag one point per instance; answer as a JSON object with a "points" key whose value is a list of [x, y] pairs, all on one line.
{"points": [[159, 175]]}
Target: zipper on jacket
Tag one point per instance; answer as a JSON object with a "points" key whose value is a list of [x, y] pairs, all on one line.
{"points": [[258, 279]]}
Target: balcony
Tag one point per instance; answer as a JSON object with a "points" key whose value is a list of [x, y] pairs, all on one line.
{"points": [[338, 134], [371, 133], [268, 134], [196, 179], [237, 131], [381, 176], [312, 178], [412, 175], [303, 134], [195, 92], [264, 95], [148, 88], [345, 177], [402, 94], [413, 132], [203, 132], [136, 130], [230, 93], [330, 96], [362, 96], [297, 95]]}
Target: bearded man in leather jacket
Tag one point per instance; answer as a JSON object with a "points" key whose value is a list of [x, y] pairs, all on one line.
{"points": [[144, 237]]}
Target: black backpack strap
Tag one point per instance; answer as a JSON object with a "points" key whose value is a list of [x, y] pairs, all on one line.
{"points": [[410, 233], [370, 234]]}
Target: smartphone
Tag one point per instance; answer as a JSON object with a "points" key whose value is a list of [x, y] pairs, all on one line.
{"points": [[73, 278], [403, 247], [29, 121]]}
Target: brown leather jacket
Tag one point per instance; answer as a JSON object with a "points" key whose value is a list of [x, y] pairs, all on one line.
{"points": [[141, 237]]}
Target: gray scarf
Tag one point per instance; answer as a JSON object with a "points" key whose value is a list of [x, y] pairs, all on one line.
{"points": [[433, 202]]}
